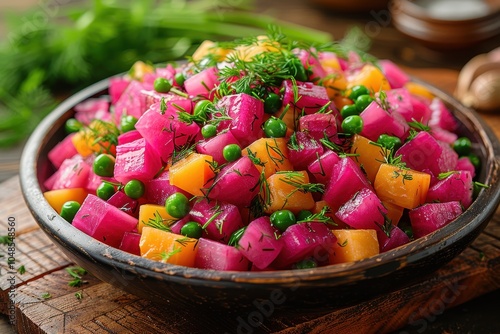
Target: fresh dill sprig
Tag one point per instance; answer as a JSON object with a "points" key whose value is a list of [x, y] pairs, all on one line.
{"points": [[320, 217], [77, 274]]}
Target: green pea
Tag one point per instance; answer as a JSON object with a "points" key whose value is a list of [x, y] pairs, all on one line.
{"points": [[192, 230], [179, 78], [134, 189], [177, 205], [105, 190], [474, 159], [104, 165], [357, 91], [275, 128], [463, 146], [162, 85], [201, 108], [272, 103], [69, 210], [352, 125], [349, 110], [363, 101], [127, 123], [231, 152], [208, 131], [282, 219], [72, 125], [306, 264], [303, 215], [389, 142]]}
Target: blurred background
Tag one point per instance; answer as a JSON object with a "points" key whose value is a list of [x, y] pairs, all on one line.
{"points": [[52, 48]]}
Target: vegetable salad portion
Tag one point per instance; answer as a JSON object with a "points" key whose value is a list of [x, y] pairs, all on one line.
{"points": [[262, 154]]}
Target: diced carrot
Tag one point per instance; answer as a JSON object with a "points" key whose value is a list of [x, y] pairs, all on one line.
{"points": [[286, 192], [86, 142], [330, 63], [341, 101], [139, 69], [369, 155], [335, 82], [193, 173], [152, 212], [354, 245], [319, 205], [370, 77], [58, 197], [272, 153], [419, 90], [160, 245], [290, 116], [394, 212], [208, 47], [404, 187]]}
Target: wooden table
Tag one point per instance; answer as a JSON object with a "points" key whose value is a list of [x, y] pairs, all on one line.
{"points": [[105, 309]]}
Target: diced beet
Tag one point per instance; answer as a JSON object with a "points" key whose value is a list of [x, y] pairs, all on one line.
{"points": [[62, 151], [304, 96], [431, 216], [464, 163], [393, 73], [247, 116], [425, 152], [443, 135], [421, 111], [441, 116], [136, 160], [130, 243], [117, 85], [306, 151], [227, 219], [456, 187], [322, 167], [364, 210], [128, 137], [91, 109], [214, 255], [397, 238], [347, 179], [319, 126], [305, 240], [164, 131], [311, 64], [400, 101], [202, 83], [215, 145], [73, 173], [259, 243], [377, 121], [159, 189], [131, 101], [103, 222], [237, 183], [124, 203]]}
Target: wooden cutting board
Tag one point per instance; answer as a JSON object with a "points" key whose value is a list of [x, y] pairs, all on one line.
{"points": [[98, 307]]}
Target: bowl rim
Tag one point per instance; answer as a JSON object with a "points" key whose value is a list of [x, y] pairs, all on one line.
{"points": [[76, 241]]}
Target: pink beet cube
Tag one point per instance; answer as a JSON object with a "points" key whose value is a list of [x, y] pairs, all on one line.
{"points": [[215, 145], [363, 211], [347, 179], [458, 186], [377, 121], [319, 126], [217, 256], [322, 167], [308, 98], [62, 151], [431, 216], [305, 152], [136, 160], [259, 243], [130, 243], [103, 222]]}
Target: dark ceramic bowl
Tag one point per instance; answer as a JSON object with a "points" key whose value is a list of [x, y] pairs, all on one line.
{"points": [[325, 286]]}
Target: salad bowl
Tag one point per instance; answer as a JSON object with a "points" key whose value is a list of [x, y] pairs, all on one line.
{"points": [[333, 285]]}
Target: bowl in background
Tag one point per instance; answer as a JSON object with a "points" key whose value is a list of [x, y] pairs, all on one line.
{"points": [[337, 285], [447, 24]]}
